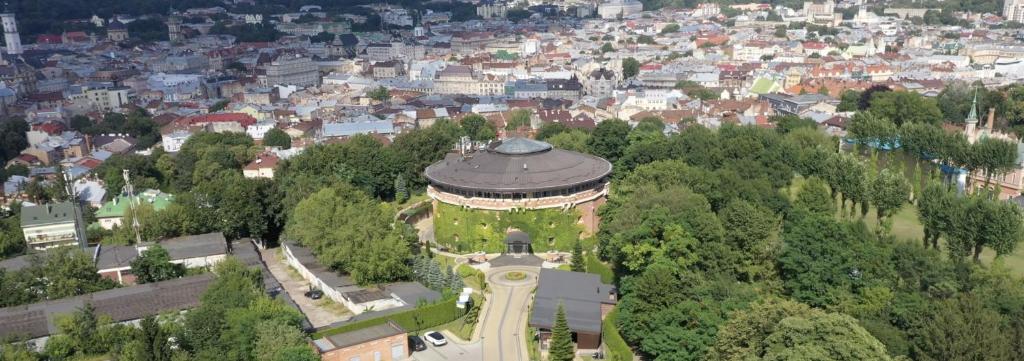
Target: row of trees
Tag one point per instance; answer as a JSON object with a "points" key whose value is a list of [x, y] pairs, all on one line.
{"points": [[969, 223]]}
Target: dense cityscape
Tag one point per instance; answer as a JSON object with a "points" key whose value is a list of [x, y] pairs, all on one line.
{"points": [[529, 180]]}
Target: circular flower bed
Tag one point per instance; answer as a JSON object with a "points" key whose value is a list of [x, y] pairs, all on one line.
{"points": [[515, 276]]}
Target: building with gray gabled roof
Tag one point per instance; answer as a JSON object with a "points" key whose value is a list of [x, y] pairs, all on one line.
{"points": [[49, 225], [586, 301]]}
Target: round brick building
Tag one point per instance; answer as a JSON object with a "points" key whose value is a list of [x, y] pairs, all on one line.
{"points": [[521, 173]]}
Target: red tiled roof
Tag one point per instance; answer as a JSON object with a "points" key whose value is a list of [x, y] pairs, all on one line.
{"points": [[265, 160], [245, 120]]}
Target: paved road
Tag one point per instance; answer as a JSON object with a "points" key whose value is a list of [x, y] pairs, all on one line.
{"points": [[507, 313]]}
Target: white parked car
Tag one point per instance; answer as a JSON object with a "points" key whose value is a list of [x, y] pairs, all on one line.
{"points": [[435, 338]]}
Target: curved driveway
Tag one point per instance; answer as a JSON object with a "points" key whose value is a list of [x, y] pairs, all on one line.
{"points": [[507, 313]]}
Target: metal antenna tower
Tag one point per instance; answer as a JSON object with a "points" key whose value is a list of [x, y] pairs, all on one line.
{"points": [[69, 187], [130, 190]]}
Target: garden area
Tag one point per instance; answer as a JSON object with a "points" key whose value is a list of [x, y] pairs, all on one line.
{"points": [[465, 230]]}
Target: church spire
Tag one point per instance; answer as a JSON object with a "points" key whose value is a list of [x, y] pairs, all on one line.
{"points": [[973, 116]]}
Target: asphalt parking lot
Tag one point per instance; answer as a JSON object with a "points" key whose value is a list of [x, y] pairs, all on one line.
{"points": [[451, 352]]}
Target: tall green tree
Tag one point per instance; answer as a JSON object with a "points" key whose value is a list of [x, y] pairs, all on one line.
{"points": [[630, 67], [154, 265], [905, 107], [936, 207], [995, 156], [277, 138], [609, 139], [477, 128], [578, 264], [814, 196], [889, 192], [561, 347]]}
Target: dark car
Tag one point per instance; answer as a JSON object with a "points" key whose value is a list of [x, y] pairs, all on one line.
{"points": [[314, 294], [417, 344]]}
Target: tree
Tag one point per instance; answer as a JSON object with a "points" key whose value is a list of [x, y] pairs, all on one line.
{"points": [[630, 67], [607, 47], [889, 192], [578, 264], [785, 330], [401, 189], [12, 138], [477, 128], [561, 347], [869, 128], [848, 101], [519, 118], [353, 234], [994, 156], [788, 123], [322, 37], [574, 139], [277, 138], [218, 106], [750, 229], [548, 130], [814, 197], [154, 342], [961, 329], [980, 222], [670, 28], [780, 31], [380, 94], [609, 139], [936, 206], [154, 265], [905, 107]]}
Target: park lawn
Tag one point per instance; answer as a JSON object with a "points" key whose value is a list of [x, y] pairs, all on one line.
{"points": [[907, 227], [459, 327]]}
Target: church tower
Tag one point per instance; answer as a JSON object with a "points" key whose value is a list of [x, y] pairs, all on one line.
{"points": [[971, 122], [11, 37], [174, 28]]}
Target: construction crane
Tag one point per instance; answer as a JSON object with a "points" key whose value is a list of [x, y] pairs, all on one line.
{"points": [[129, 189]]}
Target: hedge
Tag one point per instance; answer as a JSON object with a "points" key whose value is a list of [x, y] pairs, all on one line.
{"points": [[597, 267], [469, 230], [416, 319], [616, 347]]}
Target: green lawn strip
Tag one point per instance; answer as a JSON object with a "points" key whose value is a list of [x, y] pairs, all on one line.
{"points": [[616, 347], [597, 267], [412, 320]]}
